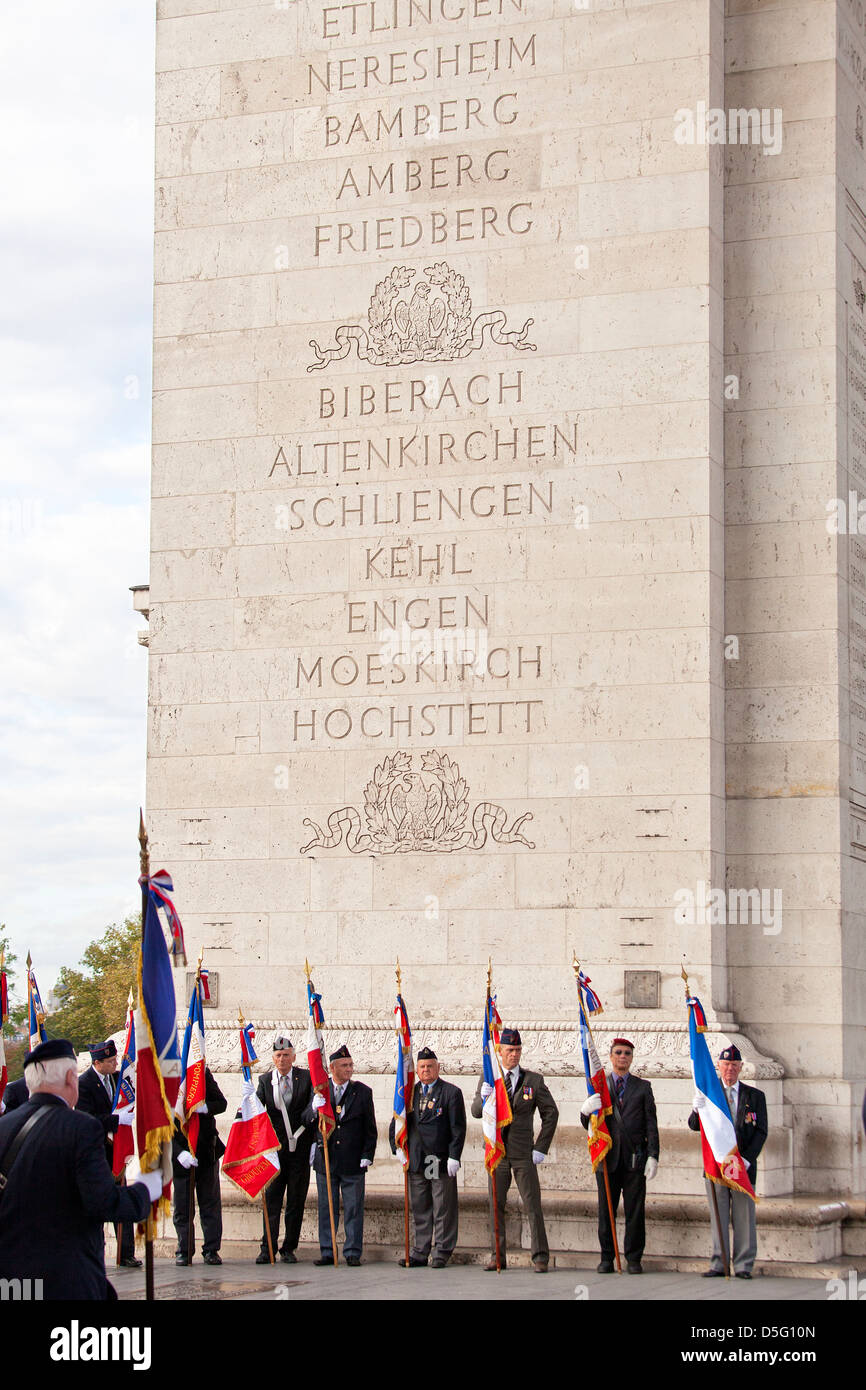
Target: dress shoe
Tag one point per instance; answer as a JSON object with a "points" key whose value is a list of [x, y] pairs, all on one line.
{"points": [[289, 1257], [182, 1260], [212, 1258], [491, 1264], [635, 1267], [353, 1261], [263, 1258], [539, 1266], [713, 1274], [744, 1274], [606, 1267], [130, 1263], [325, 1260], [412, 1263]]}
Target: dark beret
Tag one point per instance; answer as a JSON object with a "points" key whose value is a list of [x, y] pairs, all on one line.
{"points": [[427, 1055], [730, 1054], [340, 1052], [510, 1037], [50, 1051]]}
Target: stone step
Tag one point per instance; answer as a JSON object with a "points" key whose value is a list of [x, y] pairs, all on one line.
{"points": [[795, 1235]]}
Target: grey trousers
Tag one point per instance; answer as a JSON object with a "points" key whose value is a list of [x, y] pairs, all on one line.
{"points": [[434, 1215], [740, 1208], [526, 1177]]}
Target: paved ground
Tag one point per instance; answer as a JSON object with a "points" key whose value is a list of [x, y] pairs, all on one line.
{"points": [[246, 1281]]}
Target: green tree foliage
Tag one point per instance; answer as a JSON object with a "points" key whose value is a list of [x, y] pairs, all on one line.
{"points": [[93, 999], [15, 1051]]}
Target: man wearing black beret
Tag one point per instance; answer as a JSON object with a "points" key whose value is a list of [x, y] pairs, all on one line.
{"points": [[436, 1125], [748, 1107], [57, 1188], [351, 1149], [96, 1097], [528, 1093]]}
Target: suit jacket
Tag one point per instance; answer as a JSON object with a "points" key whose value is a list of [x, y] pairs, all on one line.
{"points": [[437, 1127], [750, 1125], [633, 1126], [354, 1135], [210, 1147], [16, 1094], [530, 1095], [93, 1100], [60, 1192], [302, 1094]]}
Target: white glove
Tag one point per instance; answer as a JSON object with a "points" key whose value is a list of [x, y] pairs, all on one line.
{"points": [[126, 1117], [591, 1105], [365, 1162], [486, 1090], [152, 1181], [748, 1162], [538, 1156], [453, 1167], [699, 1100], [652, 1167], [186, 1159], [318, 1102]]}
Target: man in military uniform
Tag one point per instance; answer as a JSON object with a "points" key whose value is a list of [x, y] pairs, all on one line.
{"points": [[57, 1188], [527, 1093], [351, 1149], [436, 1125], [748, 1107], [632, 1160], [286, 1093], [14, 1095], [96, 1097], [208, 1151]]}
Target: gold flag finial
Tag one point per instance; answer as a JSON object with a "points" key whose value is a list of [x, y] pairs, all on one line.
{"points": [[2, 957], [240, 1016], [144, 854], [29, 961], [307, 971], [399, 984], [489, 973], [685, 977], [575, 964], [129, 998]]}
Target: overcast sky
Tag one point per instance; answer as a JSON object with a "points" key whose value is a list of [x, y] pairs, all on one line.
{"points": [[76, 227]]}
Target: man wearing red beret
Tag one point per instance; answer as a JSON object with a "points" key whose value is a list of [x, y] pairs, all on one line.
{"points": [[632, 1159]]}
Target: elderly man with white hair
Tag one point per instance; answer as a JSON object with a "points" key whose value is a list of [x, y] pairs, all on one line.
{"points": [[56, 1188]]}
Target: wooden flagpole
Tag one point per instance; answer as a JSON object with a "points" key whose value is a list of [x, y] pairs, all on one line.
{"points": [[327, 1160], [265, 1218], [492, 1176], [144, 864], [406, 1163], [190, 1238], [575, 965], [722, 1235]]}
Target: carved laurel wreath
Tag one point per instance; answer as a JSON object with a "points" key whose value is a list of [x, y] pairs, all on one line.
{"points": [[459, 305], [455, 791]]}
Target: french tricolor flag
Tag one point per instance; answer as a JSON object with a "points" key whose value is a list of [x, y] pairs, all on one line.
{"points": [[496, 1110], [191, 1096], [722, 1161]]}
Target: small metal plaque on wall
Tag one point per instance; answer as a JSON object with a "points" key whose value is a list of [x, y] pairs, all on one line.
{"points": [[642, 989], [213, 984]]}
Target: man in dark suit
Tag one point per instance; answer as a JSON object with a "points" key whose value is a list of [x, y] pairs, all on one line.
{"points": [[748, 1107], [96, 1098], [286, 1093], [632, 1160], [528, 1093], [14, 1095], [351, 1149], [208, 1152], [436, 1125], [59, 1188]]}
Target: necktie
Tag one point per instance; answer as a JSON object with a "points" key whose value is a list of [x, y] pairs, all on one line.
{"points": [[508, 1085], [730, 1092], [424, 1090], [106, 1081], [619, 1085], [286, 1089]]}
